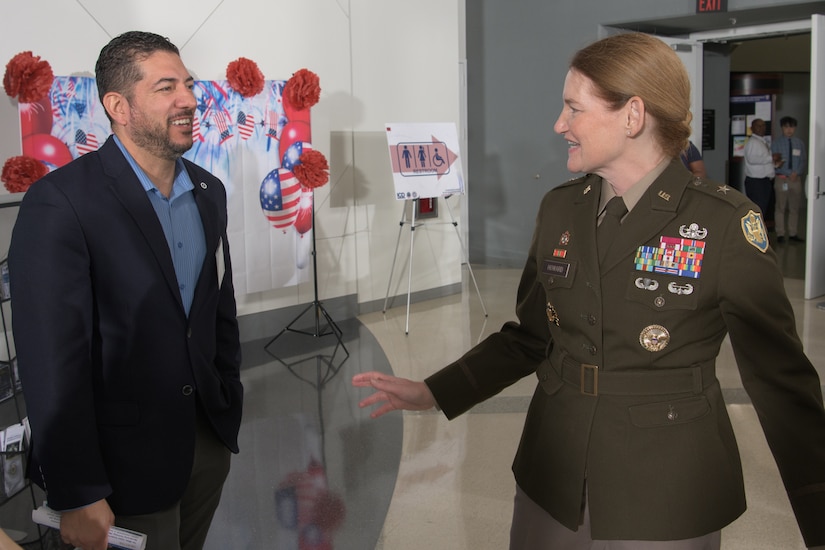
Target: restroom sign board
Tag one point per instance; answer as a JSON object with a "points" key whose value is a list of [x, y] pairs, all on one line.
{"points": [[425, 160]]}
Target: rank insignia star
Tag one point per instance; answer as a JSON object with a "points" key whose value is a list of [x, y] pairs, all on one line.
{"points": [[723, 189]]}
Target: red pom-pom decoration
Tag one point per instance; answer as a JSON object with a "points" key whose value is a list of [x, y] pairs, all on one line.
{"points": [[244, 76], [20, 172], [303, 90], [27, 78], [312, 169]]}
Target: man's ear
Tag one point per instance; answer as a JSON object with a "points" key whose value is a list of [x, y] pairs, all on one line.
{"points": [[117, 106]]}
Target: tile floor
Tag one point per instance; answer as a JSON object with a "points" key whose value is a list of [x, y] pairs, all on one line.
{"points": [[316, 472]]}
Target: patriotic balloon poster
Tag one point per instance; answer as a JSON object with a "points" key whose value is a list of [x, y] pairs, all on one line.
{"points": [[247, 142], [425, 160]]}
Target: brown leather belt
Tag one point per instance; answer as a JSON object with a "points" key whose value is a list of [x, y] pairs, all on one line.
{"points": [[591, 380]]}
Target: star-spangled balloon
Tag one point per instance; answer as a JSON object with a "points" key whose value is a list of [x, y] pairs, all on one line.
{"points": [[280, 198]]}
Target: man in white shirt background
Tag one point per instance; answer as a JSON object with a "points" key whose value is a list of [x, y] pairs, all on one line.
{"points": [[760, 166]]}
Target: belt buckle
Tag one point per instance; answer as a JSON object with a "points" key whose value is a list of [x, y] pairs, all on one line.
{"points": [[595, 369]]}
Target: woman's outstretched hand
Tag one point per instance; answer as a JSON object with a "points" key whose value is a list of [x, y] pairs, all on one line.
{"points": [[395, 393]]}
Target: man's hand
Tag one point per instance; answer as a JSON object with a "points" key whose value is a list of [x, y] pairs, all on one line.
{"points": [[87, 527]]}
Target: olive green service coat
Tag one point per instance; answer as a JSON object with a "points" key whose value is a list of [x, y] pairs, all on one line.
{"points": [[625, 358]]}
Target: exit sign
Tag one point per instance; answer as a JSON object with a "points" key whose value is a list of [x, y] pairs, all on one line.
{"points": [[711, 6]]}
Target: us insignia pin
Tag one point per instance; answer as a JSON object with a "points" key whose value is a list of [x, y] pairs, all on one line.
{"points": [[552, 316]]}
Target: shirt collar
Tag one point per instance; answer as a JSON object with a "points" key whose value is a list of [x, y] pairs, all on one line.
{"points": [[634, 194], [181, 185]]}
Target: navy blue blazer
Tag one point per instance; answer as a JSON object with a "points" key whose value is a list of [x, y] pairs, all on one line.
{"points": [[112, 369]]}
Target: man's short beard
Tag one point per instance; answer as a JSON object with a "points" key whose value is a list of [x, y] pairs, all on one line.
{"points": [[155, 138], [160, 146]]}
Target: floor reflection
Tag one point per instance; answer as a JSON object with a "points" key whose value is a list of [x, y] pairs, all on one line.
{"points": [[314, 472]]}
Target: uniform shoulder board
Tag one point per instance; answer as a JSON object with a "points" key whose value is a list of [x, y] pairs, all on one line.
{"points": [[721, 191]]}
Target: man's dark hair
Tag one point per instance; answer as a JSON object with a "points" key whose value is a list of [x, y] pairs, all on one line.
{"points": [[787, 121], [117, 68]]}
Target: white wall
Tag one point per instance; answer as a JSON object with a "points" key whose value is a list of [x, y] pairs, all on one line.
{"points": [[378, 62]]}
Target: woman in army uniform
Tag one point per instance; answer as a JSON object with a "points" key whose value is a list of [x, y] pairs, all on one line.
{"points": [[627, 443]]}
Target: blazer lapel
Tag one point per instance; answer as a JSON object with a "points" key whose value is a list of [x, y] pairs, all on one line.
{"points": [[211, 231], [125, 185], [657, 207]]}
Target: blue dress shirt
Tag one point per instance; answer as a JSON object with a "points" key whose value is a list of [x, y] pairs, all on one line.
{"points": [[182, 225]]}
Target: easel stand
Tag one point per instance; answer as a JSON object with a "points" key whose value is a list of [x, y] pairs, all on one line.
{"points": [[412, 204], [316, 306]]}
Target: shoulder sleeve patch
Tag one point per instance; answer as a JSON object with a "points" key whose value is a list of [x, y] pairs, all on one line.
{"points": [[754, 231]]}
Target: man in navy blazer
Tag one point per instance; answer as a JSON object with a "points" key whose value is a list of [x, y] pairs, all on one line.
{"points": [[125, 320]]}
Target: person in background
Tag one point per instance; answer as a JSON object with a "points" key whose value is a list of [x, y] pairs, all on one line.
{"points": [[760, 165], [124, 312], [692, 159], [627, 443], [790, 176]]}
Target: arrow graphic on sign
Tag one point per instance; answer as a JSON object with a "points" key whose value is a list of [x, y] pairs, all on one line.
{"points": [[422, 158]]}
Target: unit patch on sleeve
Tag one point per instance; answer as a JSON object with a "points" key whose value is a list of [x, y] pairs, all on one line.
{"points": [[754, 230]]}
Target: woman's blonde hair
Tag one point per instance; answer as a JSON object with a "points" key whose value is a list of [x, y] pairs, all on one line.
{"points": [[637, 64]]}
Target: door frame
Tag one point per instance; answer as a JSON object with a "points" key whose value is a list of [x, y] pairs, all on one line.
{"points": [[815, 242]]}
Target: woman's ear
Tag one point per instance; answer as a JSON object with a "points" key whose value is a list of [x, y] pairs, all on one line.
{"points": [[635, 109]]}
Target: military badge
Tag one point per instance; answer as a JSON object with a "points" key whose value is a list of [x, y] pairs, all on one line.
{"points": [[682, 290], [692, 231], [645, 283], [654, 338], [559, 253], [564, 240], [754, 230]]}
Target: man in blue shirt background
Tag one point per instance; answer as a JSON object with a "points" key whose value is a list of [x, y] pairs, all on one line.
{"points": [[789, 178]]}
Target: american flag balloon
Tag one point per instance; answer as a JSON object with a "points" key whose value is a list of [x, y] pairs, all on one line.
{"points": [[293, 153], [246, 125], [85, 143], [280, 197]]}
